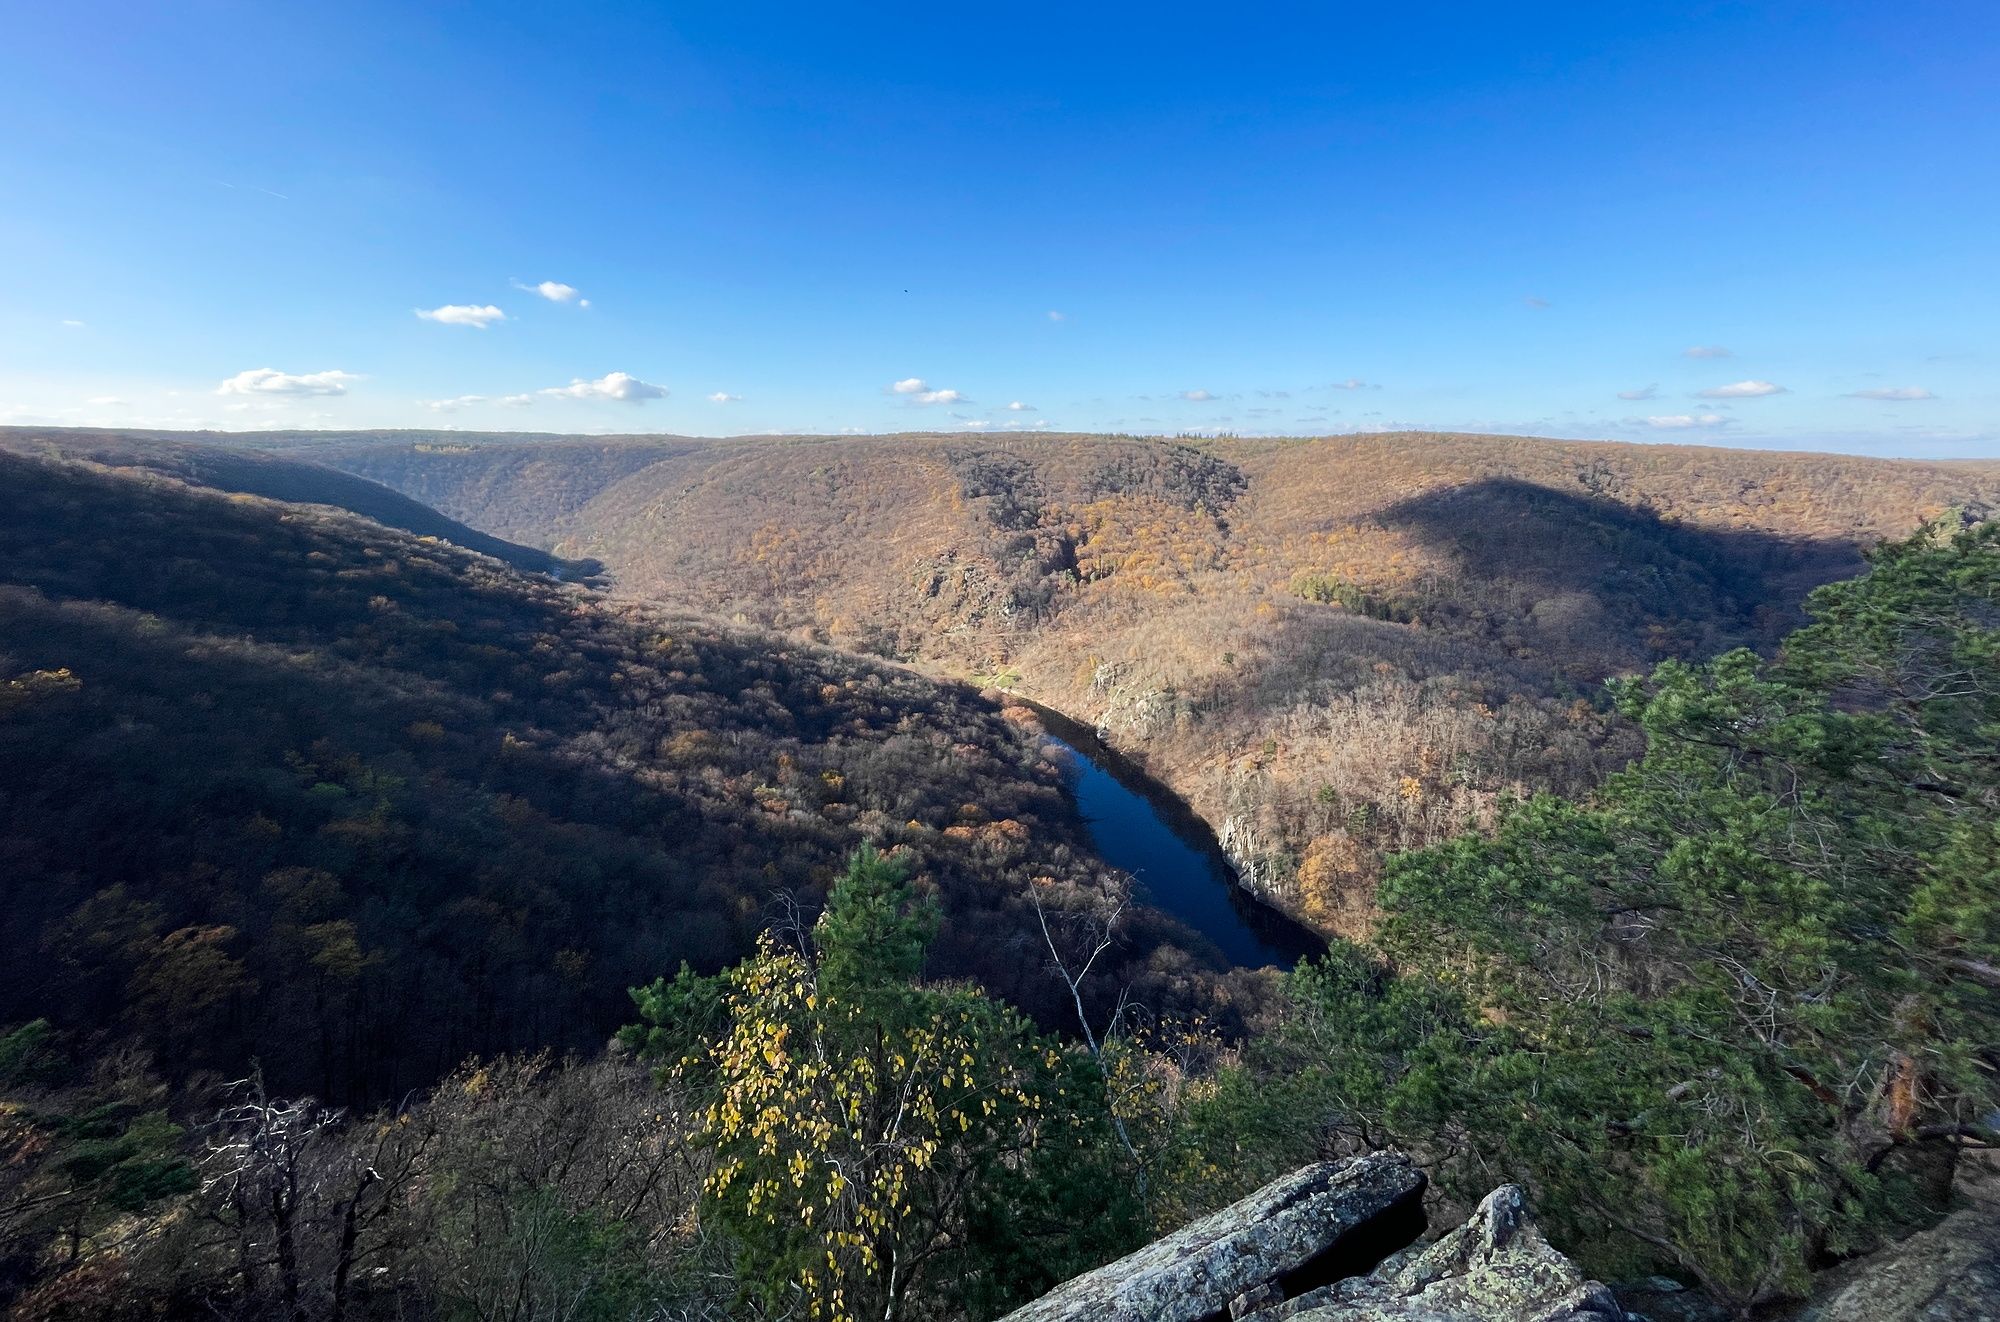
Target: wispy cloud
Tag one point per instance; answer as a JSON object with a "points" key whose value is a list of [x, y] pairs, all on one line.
{"points": [[621, 386], [724, 397], [517, 401], [1706, 351], [1058, 316], [1682, 421], [463, 314], [555, 291], [1898, 393], [1351, 384], [1742, 390], [73, 323], [452, 405], [1644, 392], [1198, 396], [1018, 407], [1535, 302], [270, 381], [918, 391]]}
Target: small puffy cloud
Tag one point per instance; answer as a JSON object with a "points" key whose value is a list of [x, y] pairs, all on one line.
{"points": [[1682, 421], [1018, 407], [914, 389], [724, 397], [1742, 390], [452, 405], [1198, 396], [974, 422], [1893, 393], [621, 386], [1705, 351], [1057, 316], [270, 381], [1645, 392], [463, 314], [1351, 384], [555, 291], [517, 401]]}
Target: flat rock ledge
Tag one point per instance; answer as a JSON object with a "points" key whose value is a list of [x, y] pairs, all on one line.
{"points": [[1337, 1242]]}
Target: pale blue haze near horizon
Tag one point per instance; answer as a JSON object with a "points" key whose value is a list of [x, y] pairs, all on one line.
{"points": [[1282, 219]]}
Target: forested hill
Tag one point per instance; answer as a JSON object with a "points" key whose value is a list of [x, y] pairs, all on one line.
{"points": [[278, 782], [295, 480], [1332, 648]]}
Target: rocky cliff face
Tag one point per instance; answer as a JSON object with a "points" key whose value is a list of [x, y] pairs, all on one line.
{"points": [[1337, 1242]]}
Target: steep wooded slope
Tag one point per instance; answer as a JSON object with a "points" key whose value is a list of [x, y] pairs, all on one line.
{"points": [[1331, 647], [279, 782]]}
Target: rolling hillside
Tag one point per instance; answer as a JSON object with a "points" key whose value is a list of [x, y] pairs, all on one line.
{"points": [[278, 782], [1331, 647]]}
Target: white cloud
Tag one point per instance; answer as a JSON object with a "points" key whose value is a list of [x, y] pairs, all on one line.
{"points": [[1535, 302], [108, 402], [452, 405], [975, 422], [270, 381], [621, 386], [1351, 384], [915, 389], [1642, 393], [1894, 393], [1197, 396], [1706, 351], [1681, 421], [1057, 316], [463, 314], [73, 323], [1742, 390], [517, 401], [1018, 407], [555, 291], [724, 397]]}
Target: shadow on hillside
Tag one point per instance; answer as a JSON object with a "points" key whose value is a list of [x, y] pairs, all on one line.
{"points": [[292, 480], [1588, 578]]}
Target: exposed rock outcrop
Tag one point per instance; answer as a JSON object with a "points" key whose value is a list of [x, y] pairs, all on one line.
{"points": [[1496, 1266], [1949, 1273], [1336, 1242], [1313, 1226]]}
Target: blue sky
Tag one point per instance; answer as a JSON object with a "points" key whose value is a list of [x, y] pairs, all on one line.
{"points": [[1769, 224]]}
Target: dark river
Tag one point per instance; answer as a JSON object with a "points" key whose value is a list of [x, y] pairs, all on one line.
{"points": [[1139, 827]]}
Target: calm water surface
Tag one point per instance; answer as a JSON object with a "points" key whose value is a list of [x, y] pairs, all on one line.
{"points": [[1136, 826]]}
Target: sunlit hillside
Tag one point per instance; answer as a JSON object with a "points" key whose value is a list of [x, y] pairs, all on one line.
{"points": [[1330, 647]]}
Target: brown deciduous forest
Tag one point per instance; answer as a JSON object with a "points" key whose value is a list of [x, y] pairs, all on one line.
{"points": [[1331, 648], [666, 912], [283, 784]]}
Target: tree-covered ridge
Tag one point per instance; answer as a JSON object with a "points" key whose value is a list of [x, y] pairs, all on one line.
{"points": [[1732, 1017], [281, 783], [1333, 648], [293, 479], [1737, 1012]]}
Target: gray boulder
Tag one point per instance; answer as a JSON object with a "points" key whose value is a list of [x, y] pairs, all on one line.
{"points": [[1317, 1224], [1949, 1273], [1496, 1266]]}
